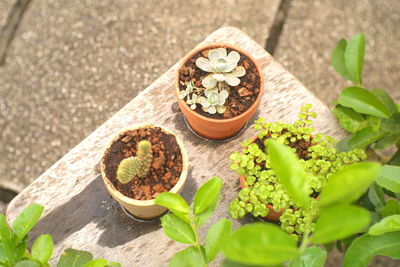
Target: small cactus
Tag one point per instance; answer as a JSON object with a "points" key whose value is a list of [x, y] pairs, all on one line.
{"points": [[136, 166]]}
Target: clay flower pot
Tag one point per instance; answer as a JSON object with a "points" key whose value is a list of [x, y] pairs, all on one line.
{"points": [[144, 209], [217, 129]]}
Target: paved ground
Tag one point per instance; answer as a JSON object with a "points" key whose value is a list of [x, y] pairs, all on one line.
{"points": [[72, 64]]}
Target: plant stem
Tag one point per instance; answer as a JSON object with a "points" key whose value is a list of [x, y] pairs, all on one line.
{"points": [[196, 235]]}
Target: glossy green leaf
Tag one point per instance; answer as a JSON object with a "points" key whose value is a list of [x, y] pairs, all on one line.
{"points": [[216, 237], [349, 119], [260, 244], [392, 124], [354, 57], [74, 258], [175, 203], [42, 248], [28, 263], [177, 229], [363, 101], [392, 208], [385, 98], [348, 184], [206, 194], [364, 248], [377, 197], [311, 257], [289, 171], [338, 60], [206, 214], [364, 138], [26, 221], [338, 222], [20, 249], [114, 264], [389, 178], [97, 263], [8, 254], [387, 224], [189, 257]]}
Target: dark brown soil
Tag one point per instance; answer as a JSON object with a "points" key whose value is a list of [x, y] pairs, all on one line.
{"points": [[166, 167], [241, 97]]}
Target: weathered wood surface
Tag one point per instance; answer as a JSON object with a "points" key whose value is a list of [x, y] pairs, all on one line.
{"points": [[79, 211]]}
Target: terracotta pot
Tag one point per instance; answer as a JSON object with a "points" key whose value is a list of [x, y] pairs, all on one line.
{"points": [[145, 209], [217, 129]]}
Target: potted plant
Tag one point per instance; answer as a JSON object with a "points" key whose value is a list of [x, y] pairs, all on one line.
{"points": [[218, 87], [262, 194], [140, 163]]}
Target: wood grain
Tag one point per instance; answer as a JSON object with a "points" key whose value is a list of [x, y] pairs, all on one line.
{"points": [[79, 211]]}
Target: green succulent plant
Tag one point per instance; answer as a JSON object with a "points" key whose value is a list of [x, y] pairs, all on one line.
{"points": [[318, 156], [223, 67], [136, 166], [213, 101]]}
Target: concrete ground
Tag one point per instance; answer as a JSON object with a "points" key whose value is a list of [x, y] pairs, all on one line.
{"points": [[72, 64]]}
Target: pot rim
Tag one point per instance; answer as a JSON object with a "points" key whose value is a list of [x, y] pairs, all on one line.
{"points": [[226, 45], [151, 202]]}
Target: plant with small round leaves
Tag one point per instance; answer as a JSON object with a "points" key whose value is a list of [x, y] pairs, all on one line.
{"points": [[136, 166], [318, 156]]}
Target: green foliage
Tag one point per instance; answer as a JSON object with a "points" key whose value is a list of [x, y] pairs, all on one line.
{"points": [[186, 231], [387, 224], [264, 185], [362, 250], [371, 116], [136, 166], [389, 178], [260, 244], [14, 252], [312, 257], [392, 207]]}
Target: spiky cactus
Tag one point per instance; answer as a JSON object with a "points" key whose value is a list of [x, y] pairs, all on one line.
{"points": [[136, 166]]}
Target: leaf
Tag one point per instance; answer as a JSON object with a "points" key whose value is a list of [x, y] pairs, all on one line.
{"points": [[20, 249], [385, 98], [387, 141], [387, 224], [189, 257], [175, 203], [27, 263], [96, 263], [177, 229], [289, 171], [392, 124], [376, 196], [364, 138], [354, 57], [42, 248], [74, 258], [392, 208], [260, 244], [364, 248], [216, 237], [312, 257], [348, 184], [206, 214], [206, 194], [338, 60], [338, 222], [389, 178], [114, 264], [348, 118], [6, 245], [363, 101], [26, 221]]}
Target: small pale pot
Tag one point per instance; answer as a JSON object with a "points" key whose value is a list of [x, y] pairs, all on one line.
{"points": [[144, 209]]}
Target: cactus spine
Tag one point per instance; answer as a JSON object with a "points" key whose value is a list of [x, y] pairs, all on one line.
{"points": [[136, 166]]}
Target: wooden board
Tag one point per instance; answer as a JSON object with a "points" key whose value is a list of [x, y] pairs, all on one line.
{"points": [[79, 211]]}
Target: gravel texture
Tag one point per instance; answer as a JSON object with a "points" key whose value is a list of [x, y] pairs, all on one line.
{"points": [[313, 29], [73, 64], [5, 6]]}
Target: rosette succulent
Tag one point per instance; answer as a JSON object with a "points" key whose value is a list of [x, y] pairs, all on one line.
{"points": [[213, 101], [223, 68], [317, 154]]}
